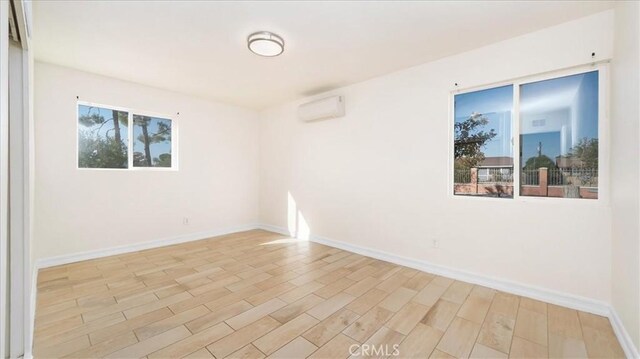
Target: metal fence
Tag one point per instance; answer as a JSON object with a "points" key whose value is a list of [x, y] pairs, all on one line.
{"points": [[555, 177], [586, 177], [529, 178]]}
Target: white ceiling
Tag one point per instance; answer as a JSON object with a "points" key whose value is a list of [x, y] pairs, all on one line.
{"points": [[199, 48]]}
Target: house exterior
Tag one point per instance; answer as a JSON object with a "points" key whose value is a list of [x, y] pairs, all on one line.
{"points": [[496, 169]]}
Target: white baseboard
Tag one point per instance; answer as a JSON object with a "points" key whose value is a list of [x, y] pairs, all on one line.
{"points": [[623, 336], [106, 252], [564, 299], [546, 295], [276, 229]]}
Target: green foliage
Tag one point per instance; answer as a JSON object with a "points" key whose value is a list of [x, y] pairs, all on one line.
{"points": [[95, 118], [164, 160], [101, 152], [465, 163], [533, 163], [106, 150], [587, 152], [163, 133], [91, 120], [470, 137]]}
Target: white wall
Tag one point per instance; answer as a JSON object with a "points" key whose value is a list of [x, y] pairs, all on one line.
{"points": [[625, 170], [83, 210], [378, 177]]}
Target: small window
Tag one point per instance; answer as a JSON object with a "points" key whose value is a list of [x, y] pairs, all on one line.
{"points": [[151, 141], [102, 137], [110, 138]]}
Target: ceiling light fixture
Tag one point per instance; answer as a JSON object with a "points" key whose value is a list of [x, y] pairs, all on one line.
{"points": [[265, 43]]}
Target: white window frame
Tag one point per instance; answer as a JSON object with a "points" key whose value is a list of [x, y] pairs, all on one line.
{"points": [[603, 135], [130, 113]]}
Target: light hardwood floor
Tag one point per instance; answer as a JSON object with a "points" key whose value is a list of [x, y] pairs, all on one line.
{"points": [[258, 294]]}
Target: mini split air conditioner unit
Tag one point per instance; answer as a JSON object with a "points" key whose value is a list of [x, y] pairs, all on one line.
{"points": [[330, 107]]}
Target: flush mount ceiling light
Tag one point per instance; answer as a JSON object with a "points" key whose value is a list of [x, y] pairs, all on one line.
{"points": [[265, 43]]}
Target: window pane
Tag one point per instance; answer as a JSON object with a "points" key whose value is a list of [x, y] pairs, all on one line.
{"points": [[483, 153], [102, 137], [151, 141], [559, 137]]}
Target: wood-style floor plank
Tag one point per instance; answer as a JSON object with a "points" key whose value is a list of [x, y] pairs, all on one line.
{"points": [[258, 294]]}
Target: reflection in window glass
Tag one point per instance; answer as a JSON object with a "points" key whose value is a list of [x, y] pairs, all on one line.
{"points": [[559, 137], [102, 137], [483, 153], [151, 141]]}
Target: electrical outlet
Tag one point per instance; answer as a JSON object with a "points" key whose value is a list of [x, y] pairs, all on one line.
{"points": [[436, 243], [185, 221]]}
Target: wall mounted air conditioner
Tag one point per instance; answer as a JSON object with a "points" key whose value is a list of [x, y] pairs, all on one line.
{"points": [[330, 107]]}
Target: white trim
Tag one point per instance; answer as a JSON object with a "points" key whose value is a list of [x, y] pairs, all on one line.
{"points": [[129, 140], [539, 293], [275, 229], [4, 176], [576, 69], [20, 198], [623, 336], [515, 143], [28, 350], [546, 295]]}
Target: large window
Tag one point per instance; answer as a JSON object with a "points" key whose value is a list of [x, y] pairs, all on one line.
{"points": [[110, 138], [556, 131]]}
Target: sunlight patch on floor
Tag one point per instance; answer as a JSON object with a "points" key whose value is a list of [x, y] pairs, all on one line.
{"points": [[284, 241]]}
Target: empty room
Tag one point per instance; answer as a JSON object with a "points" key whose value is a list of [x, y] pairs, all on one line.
{"points": [[319, 179]]}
